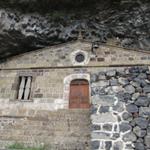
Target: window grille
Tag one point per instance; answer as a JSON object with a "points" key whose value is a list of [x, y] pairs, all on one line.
{"points": [[24, 87]]}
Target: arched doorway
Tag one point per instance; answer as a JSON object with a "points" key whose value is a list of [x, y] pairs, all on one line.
{"points": [[79, 94]]}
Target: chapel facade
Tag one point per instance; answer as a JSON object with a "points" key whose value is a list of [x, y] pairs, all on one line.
{"points": [[77, 96]]}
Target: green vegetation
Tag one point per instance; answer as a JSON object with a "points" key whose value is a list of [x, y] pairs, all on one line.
{"points": [[18, 146]]}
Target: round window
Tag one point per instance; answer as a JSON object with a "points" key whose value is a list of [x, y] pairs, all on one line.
{"points": [[80, 57]]}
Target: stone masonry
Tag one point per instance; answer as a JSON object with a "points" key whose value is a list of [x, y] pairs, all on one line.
{"points": [[121, 109], [46, 111], [64, 56], [58, 130], [119, 95]]}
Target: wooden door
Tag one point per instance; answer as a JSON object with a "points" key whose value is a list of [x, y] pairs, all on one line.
{"points": [[79, 94]]}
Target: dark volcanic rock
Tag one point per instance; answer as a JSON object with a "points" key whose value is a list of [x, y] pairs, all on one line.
{"points": [[141, 122], [146, 89], [125, 127], [144, 111], [129, 137], [95, 144], [23, 29], [146, 140], [142, 101], [139, 146], [127, 116], [129, 89], [131, 108], [139, 132], [132, 104]]}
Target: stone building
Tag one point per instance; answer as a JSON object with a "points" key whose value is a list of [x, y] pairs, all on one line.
{"points": [[77, 96]]}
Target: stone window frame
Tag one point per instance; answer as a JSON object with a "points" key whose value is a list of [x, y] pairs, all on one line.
{"points": [[25, 74], [76, 63], [24, 90], [67, 82]]}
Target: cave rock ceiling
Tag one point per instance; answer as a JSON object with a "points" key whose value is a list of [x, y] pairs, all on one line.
{"points": [[22, 31]]}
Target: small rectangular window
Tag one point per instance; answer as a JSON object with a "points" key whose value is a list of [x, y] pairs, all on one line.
{"points": [[24, 87]]}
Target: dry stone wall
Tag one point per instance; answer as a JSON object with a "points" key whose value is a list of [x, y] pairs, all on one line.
{"points": [[120, 113]]}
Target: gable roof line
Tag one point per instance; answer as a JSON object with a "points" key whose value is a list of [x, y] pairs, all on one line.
{"points": [[117, 46], [128, 49], [52, 46], [79, 40], [36, 50]]}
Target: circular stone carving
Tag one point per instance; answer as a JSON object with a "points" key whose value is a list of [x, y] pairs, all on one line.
{"points": [[80, 57]]}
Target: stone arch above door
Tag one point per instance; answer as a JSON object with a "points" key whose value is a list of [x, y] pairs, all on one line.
{"points": [[67, 82]]}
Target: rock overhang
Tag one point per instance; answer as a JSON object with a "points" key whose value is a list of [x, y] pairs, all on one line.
{"points": [[28, 31]]}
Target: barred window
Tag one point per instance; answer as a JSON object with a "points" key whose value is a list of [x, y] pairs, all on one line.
{"points": [[24, 87]]}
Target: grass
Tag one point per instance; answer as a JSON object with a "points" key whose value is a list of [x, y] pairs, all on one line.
{"points": [[17, 146]]}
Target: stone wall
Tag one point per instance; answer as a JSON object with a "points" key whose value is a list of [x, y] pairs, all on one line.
{"points": [[45, 117], [63, 56], [119, 114], [49, 89], [58, 130], [121, 109]]}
